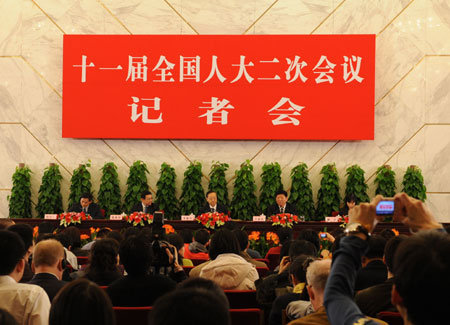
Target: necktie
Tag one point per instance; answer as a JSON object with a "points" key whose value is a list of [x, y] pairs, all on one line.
{"points": [[281, 209], [213, 210], [145, 209], [85, 210]]}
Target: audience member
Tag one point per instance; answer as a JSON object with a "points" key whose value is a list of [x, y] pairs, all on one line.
{"points": [[49, 264], [378, 298], [284, 236], [242, 238], [421, 265], [373, 269], [227, 268], [6, 222], [197, 249], [87, 206], [387, 234], [102, 233], [74, 234], [103, 262], [177, 241], [29, 304], [26, 233], [6, 318], [139, 287], [82, 302], [66, 240], [115, 235], [310, 235], [206, 285]]}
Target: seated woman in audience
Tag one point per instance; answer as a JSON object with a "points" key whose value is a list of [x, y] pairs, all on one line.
{"points": [[104, 259], [81, 302], [177, 241], [227, 268]]}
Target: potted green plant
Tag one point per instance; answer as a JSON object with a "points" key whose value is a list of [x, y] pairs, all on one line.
{"points": [[271, 184], [20, 198], [301, 191], [356, 184], [385, 181], [50, 198], [136, 184], [328, 198], [413, 183], [166, 192], [109, 197], [243, 204], [192, 195], [80, 183], [218, 183]]}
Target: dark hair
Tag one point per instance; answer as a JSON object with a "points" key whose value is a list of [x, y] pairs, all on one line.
{"points": [[376, 247], [45, 236], [81, 302], [297, 269], [131, 231], [284, 234], [351, 198], [201, 236], [87, 195], [136, 255], [299, 247], [389, 250], [310, 235], [223, 242], [74, 234], [337, 242], [242, 238], [421, 269], [209, 192], [193, 307], [115, 235], [103, 256], [65, 239], [281, 192], [387, 234], [102, 233], [25, 232], [230, 225], [46, 227], [176, 240], [12, 250], [145, 193], [199, 283], [6, 318], [187, 235], [284, 251], [5, 223]]}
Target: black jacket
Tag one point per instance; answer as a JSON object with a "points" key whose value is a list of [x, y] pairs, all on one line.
{"points": [[150, 208], [275, 209], [93, 210], [49, 283], [220, 209]]}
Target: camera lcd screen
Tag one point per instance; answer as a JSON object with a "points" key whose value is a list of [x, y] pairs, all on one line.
{"points": [[385, 208]]}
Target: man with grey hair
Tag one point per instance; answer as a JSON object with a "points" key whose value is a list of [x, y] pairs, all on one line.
{"points": [[316, 277]]}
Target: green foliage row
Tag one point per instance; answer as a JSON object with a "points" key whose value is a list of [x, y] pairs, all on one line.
{"points": [[301, 191], [218, 182], [109, 196], [136, 184], [271, 184], [50, 198], [243, 204], [79, 183], [192, 195], [20, 198], [166, 192], [328, 198]]}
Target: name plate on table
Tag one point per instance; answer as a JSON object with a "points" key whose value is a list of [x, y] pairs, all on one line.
{"points": [[50, 216], [115, 217], [332, 219], [188, 218], [259, 218]]}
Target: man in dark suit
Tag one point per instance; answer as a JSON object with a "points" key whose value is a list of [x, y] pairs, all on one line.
{"points": [[282, 206], [49, 265], [146, 205], [212, 205], [373, 270], [87, 206]]}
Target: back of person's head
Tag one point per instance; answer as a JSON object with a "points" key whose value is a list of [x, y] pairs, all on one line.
{"points": [[296, 268], [74, 234], [223, 242], [81, 302], [284, 234], [136, 255], [201, 236], [117, 236], [387, 234], [310, 235], [48, 253], [12, 250], [25, 232], [45, 236], [175, 240], [284, 251], [421, 269], [376, 247], [192, 306], [104, 255], [5, 223], [65, 239], [187, 235], [6, 318], [317, 274], [131, 231], [337, 241], [242, 238], [230, 225], [199, 283], [299, 247], [102, 233], [389, 250], [46, 228]]}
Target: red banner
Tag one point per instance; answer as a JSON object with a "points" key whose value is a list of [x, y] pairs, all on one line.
{"points": [[281, 87]]}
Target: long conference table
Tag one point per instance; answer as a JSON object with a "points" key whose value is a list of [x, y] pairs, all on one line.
{"points": [[248, 226]]}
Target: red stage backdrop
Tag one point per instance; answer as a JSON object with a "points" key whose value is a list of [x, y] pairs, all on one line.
{"points": [[282, 87]]}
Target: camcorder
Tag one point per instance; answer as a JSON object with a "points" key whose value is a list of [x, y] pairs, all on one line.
{"points": [[159, 246]]}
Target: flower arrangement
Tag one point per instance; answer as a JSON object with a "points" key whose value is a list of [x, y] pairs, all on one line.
{"points": [[169, 229], [35, 233], [139, 218], [284, 219], [70, 218], [263, 242], [344, 221], [212, 219]]}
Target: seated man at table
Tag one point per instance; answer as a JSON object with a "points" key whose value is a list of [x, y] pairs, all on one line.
{"points": [[212, 205], [282, 206], [87, 206], [146, 205]]}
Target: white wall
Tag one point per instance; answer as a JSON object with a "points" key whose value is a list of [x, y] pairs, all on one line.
{"points": [[412, 122]]}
